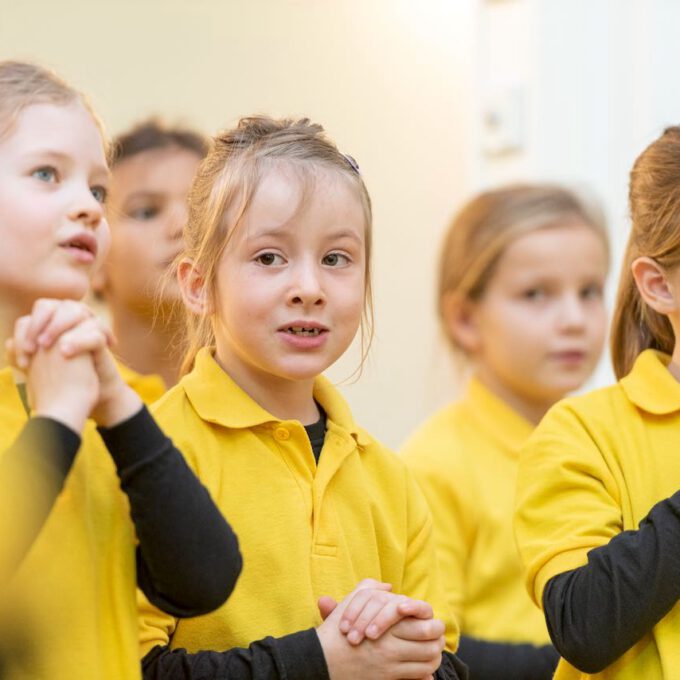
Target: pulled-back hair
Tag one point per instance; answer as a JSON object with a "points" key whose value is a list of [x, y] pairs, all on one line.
{"points": [[482, 230], [223, 189], [152, 134], [23, 84], [654, 198]]}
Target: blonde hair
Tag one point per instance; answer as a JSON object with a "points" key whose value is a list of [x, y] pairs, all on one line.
{"points": [[654, 197], [481, 231], [23, 84], [223, 190]]}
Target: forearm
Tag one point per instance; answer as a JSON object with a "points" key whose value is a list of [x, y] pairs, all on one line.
{"points": [[491, 660], [188, 558], [294, 657], [32, 474], [597, 612]]}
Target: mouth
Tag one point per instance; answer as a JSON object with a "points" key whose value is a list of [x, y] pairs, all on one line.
{"points": [[84, 242], [304, 331]]}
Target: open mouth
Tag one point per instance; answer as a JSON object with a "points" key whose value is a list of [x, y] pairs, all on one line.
{"points": [[301, 330], [84, 242]]}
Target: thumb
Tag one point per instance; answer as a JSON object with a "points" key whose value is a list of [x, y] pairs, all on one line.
{"points": [[326, 606]]}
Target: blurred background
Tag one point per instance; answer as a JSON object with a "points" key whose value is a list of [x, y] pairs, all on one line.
{"points": [[436, 99]]}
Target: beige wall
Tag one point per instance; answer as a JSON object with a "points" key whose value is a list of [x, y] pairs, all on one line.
{"points": [[391, 80]]}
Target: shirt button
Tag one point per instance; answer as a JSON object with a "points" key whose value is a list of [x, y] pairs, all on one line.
{"points": [[282, 434]]}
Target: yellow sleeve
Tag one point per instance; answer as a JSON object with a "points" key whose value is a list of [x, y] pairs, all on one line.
{"points": [[452, 514], [422, 579], [155, 626], [567, 500]]}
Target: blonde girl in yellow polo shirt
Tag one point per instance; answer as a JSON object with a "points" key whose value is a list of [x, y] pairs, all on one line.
{"points": [[73, 546], [276, 277], [152, 168], [521, 277], [598, 507]]}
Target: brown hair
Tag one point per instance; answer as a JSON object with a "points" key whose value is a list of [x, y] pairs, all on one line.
{"points": [[224, 187], [23, 84], [481, 231], [654, 197], [153, 134]]}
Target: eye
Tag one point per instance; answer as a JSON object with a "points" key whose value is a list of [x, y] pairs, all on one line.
{"points": [[534, 294], [335, 260], [100, 193], [592, 292], [269, 259], [45, 174], [147, 212]]}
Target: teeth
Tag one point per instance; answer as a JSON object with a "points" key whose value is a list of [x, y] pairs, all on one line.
{"points": [[299, 330]]}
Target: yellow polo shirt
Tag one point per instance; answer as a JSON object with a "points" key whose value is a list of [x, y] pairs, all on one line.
{"points": [[304, 531], [595, 467], [150, 388], [465, 459], [71, 606]]}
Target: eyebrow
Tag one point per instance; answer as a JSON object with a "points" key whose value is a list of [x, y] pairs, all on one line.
{"points": [[281, 231]]}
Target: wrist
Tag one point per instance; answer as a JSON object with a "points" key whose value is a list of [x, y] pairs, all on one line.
{"points": [[64, 413], [121, 405]]}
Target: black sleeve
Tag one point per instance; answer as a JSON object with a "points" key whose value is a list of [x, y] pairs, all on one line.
{"points": [[492, 660], [452, 668], [294, 657], [32, 474], [188, 558], [597, 612]]}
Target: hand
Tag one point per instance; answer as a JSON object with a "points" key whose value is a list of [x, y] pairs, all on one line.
{"points": [[410, 649], [75, 330]]}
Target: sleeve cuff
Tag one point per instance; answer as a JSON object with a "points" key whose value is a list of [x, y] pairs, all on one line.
{"points": [[302, 656]]}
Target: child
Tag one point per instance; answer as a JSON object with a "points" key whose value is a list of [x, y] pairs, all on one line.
{"points": [[520, 298], [69, 570], [152, 169], [598, 507], [276, 276]]}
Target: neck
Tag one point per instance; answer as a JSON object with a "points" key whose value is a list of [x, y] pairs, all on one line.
{"points": [[532, 409], [145, 347], [283, 398]]}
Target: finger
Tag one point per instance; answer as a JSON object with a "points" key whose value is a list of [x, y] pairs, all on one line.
{"points": [[385, 608], [40, 316], [68, 315], [326, 606], [87, 337], [416, 608], [422, 651], [21, 348], [357, 603], [419, 630]]}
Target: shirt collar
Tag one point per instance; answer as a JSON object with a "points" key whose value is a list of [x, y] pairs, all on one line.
{"points": [[498, 419], [218, 399], [651, 386]]}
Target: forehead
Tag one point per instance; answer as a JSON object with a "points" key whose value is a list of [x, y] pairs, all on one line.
{"points": [[573, 246], [166, 169], [288, 193], [66, 129]]}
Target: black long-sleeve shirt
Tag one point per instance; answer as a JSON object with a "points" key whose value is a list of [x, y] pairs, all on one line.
{"points": [[298, 656], [597, 612], [489, 660]]}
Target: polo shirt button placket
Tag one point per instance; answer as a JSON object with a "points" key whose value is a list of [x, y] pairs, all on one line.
{"points": [[281, 434]]}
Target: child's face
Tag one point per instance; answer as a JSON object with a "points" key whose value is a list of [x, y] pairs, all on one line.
{"points": [[147, 210], [290, 283], [540, 324], [53, 179]]}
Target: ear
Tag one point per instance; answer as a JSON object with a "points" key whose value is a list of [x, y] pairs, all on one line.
{"points": [[195, 294], [460, 322], [652, 282]]}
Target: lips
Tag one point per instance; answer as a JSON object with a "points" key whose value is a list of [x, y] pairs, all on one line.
{"points": [[305, 329], [83, 241]]}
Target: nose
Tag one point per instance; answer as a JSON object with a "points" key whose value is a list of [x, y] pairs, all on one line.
{"points": [[572, 313], [307, 289], [86, 208]]}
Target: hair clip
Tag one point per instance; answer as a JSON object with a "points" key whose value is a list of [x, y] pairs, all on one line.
{"points": [[352, 163]]}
